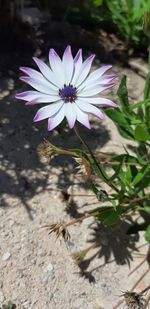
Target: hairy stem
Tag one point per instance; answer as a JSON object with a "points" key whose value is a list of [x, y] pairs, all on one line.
{"points": [[97, 164]]}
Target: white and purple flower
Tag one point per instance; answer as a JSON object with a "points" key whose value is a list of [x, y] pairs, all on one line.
{"points": [[68, 87]]}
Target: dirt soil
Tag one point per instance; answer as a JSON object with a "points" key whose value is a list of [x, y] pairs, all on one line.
{"points": [[36, 271]]}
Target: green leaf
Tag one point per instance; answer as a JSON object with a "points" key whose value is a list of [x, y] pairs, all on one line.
{"points": [[123, 95], [147, 209], [118, 169], [147, 234], [141, 133], [99, 170], [140, 175], [109, 215], [122, 123], [129, 159], [125, 177], [98, 2], [139, 104], [117, 116], [147, 87]]}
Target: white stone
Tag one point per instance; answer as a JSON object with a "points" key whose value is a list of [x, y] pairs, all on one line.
{"points": [[49, 268], [6, 256], [1, 297]]}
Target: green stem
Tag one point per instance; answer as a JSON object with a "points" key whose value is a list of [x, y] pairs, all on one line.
{"points": [[97, 164], [147, 90], [149, 56]]}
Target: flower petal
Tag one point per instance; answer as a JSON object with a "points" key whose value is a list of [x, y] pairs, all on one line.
{"points": [[68, 65], [37, 97], [46, 71], [48, 111], [88, 108], [27, 95], [101, 80], [84, 71], [99, 101], [96, 75], [82, 117], [104, 80], [57, 67], [35, 74], [56, 119], [40, 84], [31, 72], [77, 65], [70, 114], [94, 90]]}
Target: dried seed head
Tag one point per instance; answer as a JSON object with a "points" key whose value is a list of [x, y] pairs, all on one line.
{"points": [[83, 167], [60, 230], [47, 150], [134, 300]]}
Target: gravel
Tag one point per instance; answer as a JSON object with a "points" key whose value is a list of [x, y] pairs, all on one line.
{"points": [[36, 271]]}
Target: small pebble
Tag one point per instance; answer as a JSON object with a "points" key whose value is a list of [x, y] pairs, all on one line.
{"points": [[49, 268], [6, 256], [1, 297]]}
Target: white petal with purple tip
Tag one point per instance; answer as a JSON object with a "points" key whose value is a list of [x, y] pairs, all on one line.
{"points": [[84, 71], [39, 85], [31, 72], [70, 114], [95, 76], [93, 90], [77, 65], [48, 111], [82, 117], [36, 75], [98, 101], [68, 65], [54, 121], [27, 95], [89, 108], [57, 67], [37, 97], [46, 71]]}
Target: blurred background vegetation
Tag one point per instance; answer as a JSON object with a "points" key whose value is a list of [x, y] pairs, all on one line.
{"points": [[122, 17]]}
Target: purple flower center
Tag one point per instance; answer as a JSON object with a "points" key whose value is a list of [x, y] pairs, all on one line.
{"points": [[68, 93]]}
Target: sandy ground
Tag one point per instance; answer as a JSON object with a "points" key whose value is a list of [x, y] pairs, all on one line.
{"points": [[36, 272]]}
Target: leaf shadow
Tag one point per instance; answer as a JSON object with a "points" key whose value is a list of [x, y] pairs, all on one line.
{"points": [[111, 243]]}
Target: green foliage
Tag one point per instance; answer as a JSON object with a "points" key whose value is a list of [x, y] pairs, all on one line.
{"points": [[128, 177], [130, 174], [124, 16], [129, 118], [147, 234], [133, 171], [110, 216], [127, 15], [129, 180]]}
